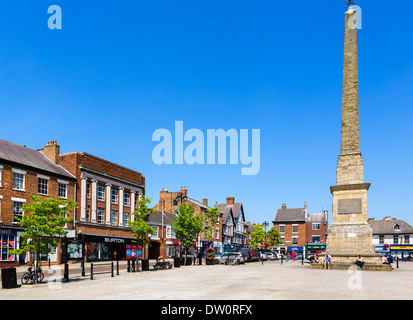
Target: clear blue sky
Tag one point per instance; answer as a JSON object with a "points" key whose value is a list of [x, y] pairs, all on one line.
{"points": [[119, 70]]}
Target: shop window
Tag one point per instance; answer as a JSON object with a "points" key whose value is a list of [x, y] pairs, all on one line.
{"points": [[7, 243]]}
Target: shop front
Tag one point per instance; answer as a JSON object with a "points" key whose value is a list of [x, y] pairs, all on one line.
{"points": [[312, 248], [8, 242], [403, 251], [101, 248]]}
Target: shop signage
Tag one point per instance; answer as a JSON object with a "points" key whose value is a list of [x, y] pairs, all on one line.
{"points": [[105, 239], [401, 247], [294, 248]]}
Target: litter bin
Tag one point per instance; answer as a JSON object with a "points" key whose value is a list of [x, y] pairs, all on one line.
{"points": [[177, 262], [8, 278], [145, 265]]}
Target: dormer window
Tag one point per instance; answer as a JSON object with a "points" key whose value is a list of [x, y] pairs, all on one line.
{"points": [[396, 227]]}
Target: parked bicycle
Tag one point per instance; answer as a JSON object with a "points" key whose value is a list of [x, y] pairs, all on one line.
{"points": [[31, 275]]}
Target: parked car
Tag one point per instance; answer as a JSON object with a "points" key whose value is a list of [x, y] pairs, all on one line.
{"points": [[271, 255], [246, 252], [229, 257], [255, 255], [263, 256]]}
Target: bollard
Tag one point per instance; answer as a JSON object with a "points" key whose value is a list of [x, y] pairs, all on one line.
{"points": [[282, 259], [83, 267], [133, 265], [302, 259], [117, 268], [66, 275], [128, 269], [91, 271], [112, 270], [397, 261]]}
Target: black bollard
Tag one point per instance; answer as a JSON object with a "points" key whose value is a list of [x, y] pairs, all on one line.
{"points": [[83, 267], [128, 269], [66, 275], [397, 261], [91, 271], [112, 270], [117, 268], [302, 259], [282, 259]]}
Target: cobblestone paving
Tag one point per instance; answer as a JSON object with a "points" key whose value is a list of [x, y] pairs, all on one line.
{"points": [[252, 281]]}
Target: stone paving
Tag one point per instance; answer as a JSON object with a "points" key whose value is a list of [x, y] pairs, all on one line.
{"points": [[252, 281]]}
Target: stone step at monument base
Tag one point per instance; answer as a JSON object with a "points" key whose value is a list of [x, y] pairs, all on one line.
{"points": [[346, 266]]}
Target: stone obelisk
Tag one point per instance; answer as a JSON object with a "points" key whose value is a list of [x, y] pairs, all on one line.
{"points": [[349, 234]]}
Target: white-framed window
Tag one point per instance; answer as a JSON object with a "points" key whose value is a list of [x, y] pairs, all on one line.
{"points": [[168, 232], [18, 181], [282, 228], [125, 219], [87, 213], [42, 186], [62, 190], [100, 213], [407, 239], [114, 196], [294, 241], [88, 189], [113, 217], [17, 210], [126, 199], [155, 234], [101, 192], [381, 239], [395, 239], [316, 226], [295, 228]]}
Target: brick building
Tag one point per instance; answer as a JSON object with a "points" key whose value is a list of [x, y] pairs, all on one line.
{"points": [[25, 171], [163, 240], [108, 194], [299, 229], [169, 202]]}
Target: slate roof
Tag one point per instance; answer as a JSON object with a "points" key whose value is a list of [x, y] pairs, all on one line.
{"points": [[31, 158], [317, 217], [156, 219], [385, 227], [284, 215], [198, 203], [225, 210]]}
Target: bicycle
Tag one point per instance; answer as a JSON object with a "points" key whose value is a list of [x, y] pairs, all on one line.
{"points": [[31, 275]]}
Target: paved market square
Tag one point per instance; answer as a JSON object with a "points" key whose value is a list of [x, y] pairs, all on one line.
{"points": [[252, 281]]}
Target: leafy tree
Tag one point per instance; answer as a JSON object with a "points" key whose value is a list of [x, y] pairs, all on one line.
{"points": [[140, 227], [187, 225], [257, 236], [274, 237], [212, 215], [44, 221]]}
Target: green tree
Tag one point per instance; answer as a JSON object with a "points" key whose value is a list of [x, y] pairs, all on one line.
{"points": [[187, 225], [274, 237], [212, 214], [140, 227], [44, 221], [257, 236]]}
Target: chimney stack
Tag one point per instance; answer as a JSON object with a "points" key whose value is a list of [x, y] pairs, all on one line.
{"points": [[284, 206], [205, 201], [230, 201], [52, 151], [184, 192], [305, 205]]}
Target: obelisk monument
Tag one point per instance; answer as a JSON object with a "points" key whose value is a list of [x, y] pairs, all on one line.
{"points": [[349, 234]]}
